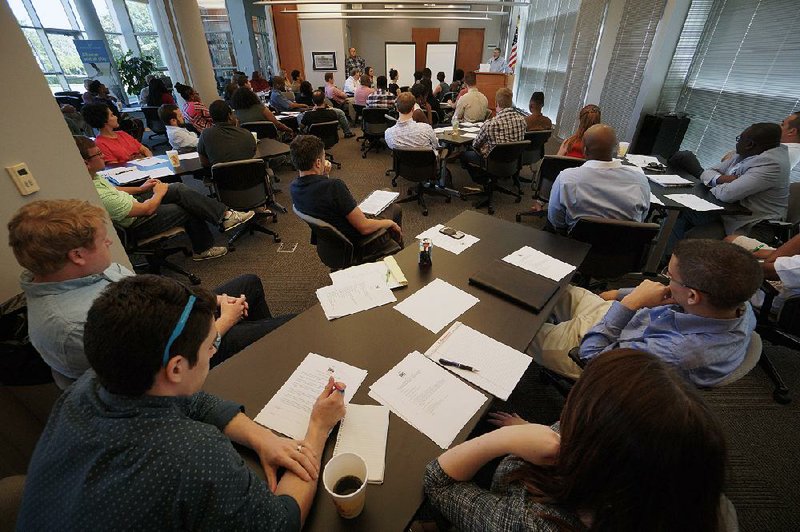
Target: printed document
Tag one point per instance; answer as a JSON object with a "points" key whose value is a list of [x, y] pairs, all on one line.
{"points": [[189, 155], [377, 272], [364, 431], [535, 261], [654, 199], [436, 304], [160, 172], [149, 161], [453, 245], [428, 398], [289, 410], [499, 367], [376, 202], [693, 202], [641, 160], [670, 180], [348, 298], [124, 175]]}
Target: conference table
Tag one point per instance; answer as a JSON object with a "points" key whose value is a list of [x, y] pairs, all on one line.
{"points": [[376, 340]]}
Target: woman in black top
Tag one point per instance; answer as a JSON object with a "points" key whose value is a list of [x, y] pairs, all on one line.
{"points": [[304, 95], [394, 88]]}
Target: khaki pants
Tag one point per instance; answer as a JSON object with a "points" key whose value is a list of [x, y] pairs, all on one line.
{"points": [[576, 312]]}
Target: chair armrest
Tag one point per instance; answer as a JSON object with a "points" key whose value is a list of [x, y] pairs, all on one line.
{"points": [[575, 355], [370, 238]]}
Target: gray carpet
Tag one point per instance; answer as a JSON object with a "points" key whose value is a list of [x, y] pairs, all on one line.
{"points": [[764, 474]]}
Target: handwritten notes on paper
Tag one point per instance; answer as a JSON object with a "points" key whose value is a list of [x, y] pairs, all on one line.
{"points": [[289, 410], [353, 296], [535, 261], [364, 431]]}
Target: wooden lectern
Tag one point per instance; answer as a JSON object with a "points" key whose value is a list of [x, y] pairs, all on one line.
{"points": [[489, 82]]}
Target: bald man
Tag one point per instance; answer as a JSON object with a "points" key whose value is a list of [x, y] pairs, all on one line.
{"points": [[602, 186]]}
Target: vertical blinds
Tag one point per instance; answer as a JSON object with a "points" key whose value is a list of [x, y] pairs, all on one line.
{"points": [[628, 59], [745, 70], [543, 65], [579, 67]]}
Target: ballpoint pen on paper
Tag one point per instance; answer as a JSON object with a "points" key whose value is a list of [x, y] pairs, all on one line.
{"points": [[445, 362]]}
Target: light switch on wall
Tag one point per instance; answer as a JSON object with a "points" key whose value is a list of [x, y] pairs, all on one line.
{"points": [[23, 178]]}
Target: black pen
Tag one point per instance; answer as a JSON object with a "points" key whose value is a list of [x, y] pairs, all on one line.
{"points": [[445, 362]]}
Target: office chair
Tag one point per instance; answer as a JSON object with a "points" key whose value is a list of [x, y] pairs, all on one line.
{"points": [[449, 97], [244, 186], [69, 99], [328, 132], [263, 128], [155, 125], [336, 251], [421, 167], [534, 152], [619, 247], [373, 126], [504, 161], [551, 166], [782, 330], [155, 250], [359, 109], [781, 230]]}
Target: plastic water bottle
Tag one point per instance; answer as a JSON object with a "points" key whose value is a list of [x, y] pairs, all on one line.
{"points": [[455, 125]]}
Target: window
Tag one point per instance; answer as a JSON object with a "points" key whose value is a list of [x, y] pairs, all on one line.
{"points": [[144, 31], [744, 70], [261, 33], [219, 37], [111, 28]]}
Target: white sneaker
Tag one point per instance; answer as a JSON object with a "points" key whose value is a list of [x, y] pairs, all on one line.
{"points": [[236, 219], [211, 253]]}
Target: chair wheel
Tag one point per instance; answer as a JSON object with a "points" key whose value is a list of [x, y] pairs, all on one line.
{"points": [[274, 218], [276, 239], [518, 199], [194, 279], [394, 183], [491, 210], [519, 218], [781, 396], [363, 155], [425, 212], [447, 199]]}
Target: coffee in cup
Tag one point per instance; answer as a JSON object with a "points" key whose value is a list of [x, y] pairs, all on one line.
{"points": [[345, 479]]}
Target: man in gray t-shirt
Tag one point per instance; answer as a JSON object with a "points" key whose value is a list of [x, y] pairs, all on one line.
{"points": [[224, 141]]}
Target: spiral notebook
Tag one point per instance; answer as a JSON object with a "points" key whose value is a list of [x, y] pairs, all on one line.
{"points": [[364, 431]]}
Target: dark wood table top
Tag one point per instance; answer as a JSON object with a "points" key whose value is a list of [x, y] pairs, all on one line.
{"points": [[376, 340]]}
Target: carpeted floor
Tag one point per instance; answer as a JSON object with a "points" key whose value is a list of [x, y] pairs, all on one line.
{"points": [[764, 473]]}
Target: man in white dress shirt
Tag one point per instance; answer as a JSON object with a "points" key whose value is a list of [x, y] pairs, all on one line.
{"points": [[179, 137], [790, 137]]}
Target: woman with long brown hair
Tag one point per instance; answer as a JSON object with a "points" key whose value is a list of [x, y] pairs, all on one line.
{"points": [[636, 449], [573, 146]]}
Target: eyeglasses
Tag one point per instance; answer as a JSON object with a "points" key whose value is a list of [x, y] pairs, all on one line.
{"points": [[98, 154], [179, 329], [665, 273]]}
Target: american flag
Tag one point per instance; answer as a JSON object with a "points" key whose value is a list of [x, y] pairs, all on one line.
{"points": [[512, 57]]}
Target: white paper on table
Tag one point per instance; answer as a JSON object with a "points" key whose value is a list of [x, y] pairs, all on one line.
{"points": [[127, 175], [343, 299], [148, 161], [111, 172], [654, 199], [693, 202], [289, 410], [668, 180], [442, 129], [469, 135], [499, 367], [160, 172], [468, 124], [535, 261], [428, 398], [364, 431], [376, 202], [641, 160], [453, 245], [371, 272], [189, 155], [470, 129], [436, 304]]}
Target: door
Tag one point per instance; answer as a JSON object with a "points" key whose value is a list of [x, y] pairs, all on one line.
{"points": [[470, 48], [421, 37], [287, 39]]}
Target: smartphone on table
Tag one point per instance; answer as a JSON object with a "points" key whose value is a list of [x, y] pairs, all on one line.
{"points": [[452, 233]]}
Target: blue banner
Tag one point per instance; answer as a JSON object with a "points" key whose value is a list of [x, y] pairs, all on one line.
{"points": [[92, 51]]}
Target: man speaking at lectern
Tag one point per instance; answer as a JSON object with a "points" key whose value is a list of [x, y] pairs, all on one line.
{"points": [[497, 63]]}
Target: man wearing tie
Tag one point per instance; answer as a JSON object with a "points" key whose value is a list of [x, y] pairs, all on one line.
{"points": [[497, 63]]}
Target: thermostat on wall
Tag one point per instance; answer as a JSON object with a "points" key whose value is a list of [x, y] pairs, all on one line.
{"points": [[23, 178]]}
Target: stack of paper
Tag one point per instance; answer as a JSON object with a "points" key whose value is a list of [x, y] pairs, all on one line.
{"points": [[148, 161], [354, 295], [641, 160], [436, 304], [123, 175], [289, 410], [670, 180], [364, 431], [372, 272], [498, 366], [470, 129], [693, 202], [654, 199], [376, 202], [160, 172], [428, 398], [445, 242], [443, 130], [189, 155], [543, 264]]}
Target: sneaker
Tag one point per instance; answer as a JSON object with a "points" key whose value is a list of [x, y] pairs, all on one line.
{"points": [[211, 253], [236, 219], [349, 135]]}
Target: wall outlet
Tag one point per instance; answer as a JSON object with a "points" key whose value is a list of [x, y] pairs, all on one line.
{"points": [[22, 177]]}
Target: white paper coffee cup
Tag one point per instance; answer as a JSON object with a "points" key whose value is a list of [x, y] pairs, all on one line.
{"points": [[622, 149], [173, 157], [339, 467]]}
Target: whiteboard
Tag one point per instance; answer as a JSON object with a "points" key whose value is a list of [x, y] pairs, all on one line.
{"points": [[401, 57], [441, 57]]}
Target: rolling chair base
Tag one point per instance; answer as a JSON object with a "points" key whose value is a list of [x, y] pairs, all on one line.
{"points": [[253, 226], [418, 194], [330, 158]]}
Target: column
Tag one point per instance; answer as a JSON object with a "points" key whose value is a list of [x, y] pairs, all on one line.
{"points": [[240, 15]]}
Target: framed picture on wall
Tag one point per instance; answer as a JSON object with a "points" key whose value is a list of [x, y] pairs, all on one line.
{"points": [[324, 60]]}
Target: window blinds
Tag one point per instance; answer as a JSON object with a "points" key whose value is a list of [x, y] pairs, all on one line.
{"points": [[548, 37], [579, 67], [628, 59], [745, 70]]}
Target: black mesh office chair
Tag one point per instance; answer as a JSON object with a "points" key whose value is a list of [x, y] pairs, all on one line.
{"points": [[359, 109], [503, 162], [69, 99], [155, 251], [784, 230], [373, 126], [534, 152], [244, 186], [155, 125], [784, 329], [263, 128], [420, 167], [328, 132], [449, 97], [551, 166], [336, 251]]}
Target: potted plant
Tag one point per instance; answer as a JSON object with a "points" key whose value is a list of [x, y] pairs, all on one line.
{"points": [[133, 70]]}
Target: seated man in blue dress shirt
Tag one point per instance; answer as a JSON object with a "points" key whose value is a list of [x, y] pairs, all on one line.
{"points": [[602, 186], [700, 322], [135, 444], [279, 101]]}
